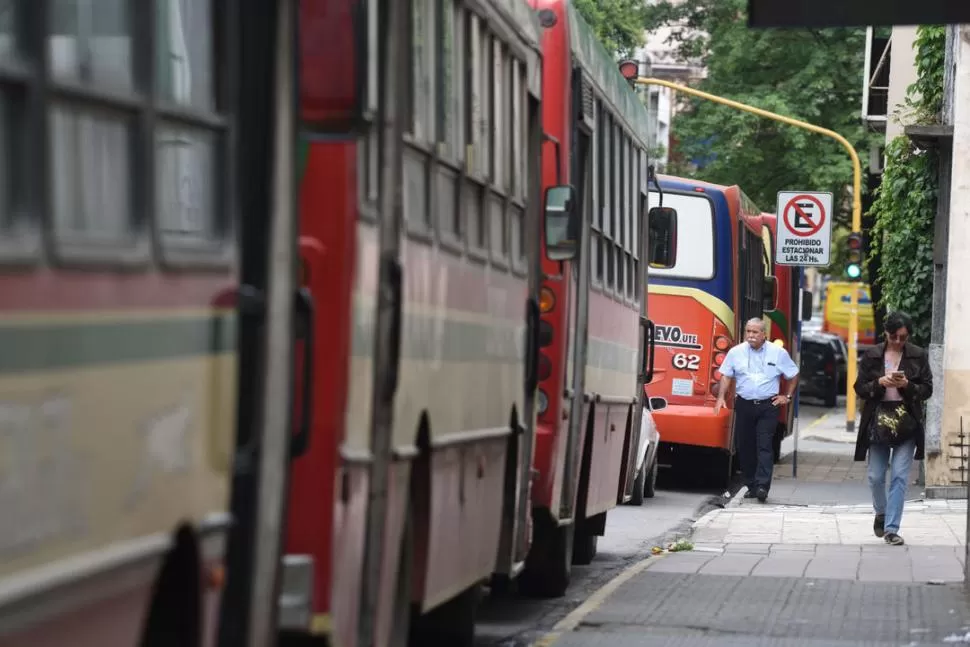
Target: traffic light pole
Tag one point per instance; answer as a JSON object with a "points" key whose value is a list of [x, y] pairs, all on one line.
{"points": [[850, 403]]}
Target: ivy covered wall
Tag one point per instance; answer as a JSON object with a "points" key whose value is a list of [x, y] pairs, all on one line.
{"points": [[905, 202]]}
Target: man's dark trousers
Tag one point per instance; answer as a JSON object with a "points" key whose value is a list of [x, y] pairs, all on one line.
{"points": [[755, 422]]}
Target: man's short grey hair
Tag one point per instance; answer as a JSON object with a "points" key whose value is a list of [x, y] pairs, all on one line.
{"points": [[756, 320]]}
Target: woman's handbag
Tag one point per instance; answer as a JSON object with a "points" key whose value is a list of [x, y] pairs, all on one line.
{"points": [[892, 424]]}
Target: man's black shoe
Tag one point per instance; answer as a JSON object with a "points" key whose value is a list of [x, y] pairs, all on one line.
{"points": [[750, 494], [762, 495], [879, 525]]}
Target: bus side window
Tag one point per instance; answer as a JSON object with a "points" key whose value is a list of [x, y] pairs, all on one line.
{"points": [[662, 234]]}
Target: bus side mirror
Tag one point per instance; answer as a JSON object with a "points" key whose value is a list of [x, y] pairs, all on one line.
{"points": [[662, 237], [561, 223], [806, 305], [770, 294]]}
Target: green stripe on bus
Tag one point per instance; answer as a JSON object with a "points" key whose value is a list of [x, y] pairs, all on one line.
{"points": [[72, 345], [302, 157], [780, 320], [69, 345]]}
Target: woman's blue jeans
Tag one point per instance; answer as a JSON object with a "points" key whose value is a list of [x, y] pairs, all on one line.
{"points": [[899, 461]]}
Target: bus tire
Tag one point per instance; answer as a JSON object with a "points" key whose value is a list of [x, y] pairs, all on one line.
{"points": [[650, 482], [636, 497], [548, 566], [175, 614], [720, 470], [401, 612], [584, 546], [452, 623]]}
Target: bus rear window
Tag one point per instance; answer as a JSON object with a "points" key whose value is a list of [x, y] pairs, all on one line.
{"points": [[695, 236]]}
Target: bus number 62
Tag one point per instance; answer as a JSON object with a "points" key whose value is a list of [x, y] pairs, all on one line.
{"points": [[682, 361]]}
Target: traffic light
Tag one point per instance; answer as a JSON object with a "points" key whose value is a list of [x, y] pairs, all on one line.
{"points": [[853, 267]]}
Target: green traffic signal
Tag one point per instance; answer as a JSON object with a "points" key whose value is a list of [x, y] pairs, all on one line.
{"points": [[854, 267]]}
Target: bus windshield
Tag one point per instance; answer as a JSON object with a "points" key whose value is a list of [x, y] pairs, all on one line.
{"points": [[695, 242]]}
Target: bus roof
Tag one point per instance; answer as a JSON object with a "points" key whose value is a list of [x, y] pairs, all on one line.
{"points": [[604, 73], [748, 210], [523, 19]]}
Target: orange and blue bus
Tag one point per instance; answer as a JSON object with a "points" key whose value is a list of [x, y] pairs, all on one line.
{"points": [[720, 279]]}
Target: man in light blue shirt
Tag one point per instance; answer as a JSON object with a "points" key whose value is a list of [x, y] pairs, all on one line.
{"points": [[756, 367]]}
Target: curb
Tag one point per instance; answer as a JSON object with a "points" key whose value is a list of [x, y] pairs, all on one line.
{"points": [[595, 601], [735, 501]]}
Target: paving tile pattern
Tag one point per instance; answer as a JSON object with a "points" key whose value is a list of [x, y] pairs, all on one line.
{"points": [[663, 608], [871, 563], [925, 523]]}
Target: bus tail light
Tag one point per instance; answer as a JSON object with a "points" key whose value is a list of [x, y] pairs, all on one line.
{"points": [[545, 367], [547, 300], [545, 333], [721, 342]]}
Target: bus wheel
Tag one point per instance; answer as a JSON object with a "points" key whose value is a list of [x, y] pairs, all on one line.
{"points": [[721, 472], [452, 623], [636, 498], [584, 549], [401, 611], [650, 482], [549, 564]]}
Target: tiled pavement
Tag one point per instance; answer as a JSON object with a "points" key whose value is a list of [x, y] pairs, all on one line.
{"points": [[803, 569], [827, 473], [658, 608]]}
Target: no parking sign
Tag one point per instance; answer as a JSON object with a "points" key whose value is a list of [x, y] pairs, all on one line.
{"points": [[804, 228]]}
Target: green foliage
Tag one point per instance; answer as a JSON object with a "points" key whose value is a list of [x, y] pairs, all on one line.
{"points": [[617, 23], [811, 75], [925, 96], [905, 205]]}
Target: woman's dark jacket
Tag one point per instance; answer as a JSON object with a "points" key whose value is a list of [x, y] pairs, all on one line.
{"points": [[916, 365]]}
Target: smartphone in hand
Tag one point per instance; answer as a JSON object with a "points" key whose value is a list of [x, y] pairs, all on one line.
{"points": [[897, 375]]}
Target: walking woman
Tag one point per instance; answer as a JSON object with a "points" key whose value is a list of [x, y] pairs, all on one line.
{"points": [[894, 380]]}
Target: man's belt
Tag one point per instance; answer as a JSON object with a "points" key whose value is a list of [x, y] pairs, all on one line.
{"points": [[762, 401]]}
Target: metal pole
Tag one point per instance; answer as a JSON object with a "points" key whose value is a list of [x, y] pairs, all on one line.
{"points": [[852, 359], [850, 403], [796, 350]]}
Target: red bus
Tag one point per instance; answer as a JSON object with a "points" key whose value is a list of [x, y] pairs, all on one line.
{"points": [[415, 485], [594, 334], [721, 279]]}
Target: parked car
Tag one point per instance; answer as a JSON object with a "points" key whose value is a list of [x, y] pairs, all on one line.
{"points": [[823, 369], [645, 483]]}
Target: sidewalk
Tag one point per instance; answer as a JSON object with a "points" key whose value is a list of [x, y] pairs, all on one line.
{"points": [[827, 472], [802, 569], [832, 542]]}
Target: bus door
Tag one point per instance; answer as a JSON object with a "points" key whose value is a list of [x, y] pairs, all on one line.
{"points": [[646, 343], [267, 304], [749, 288], [578, 319]]}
